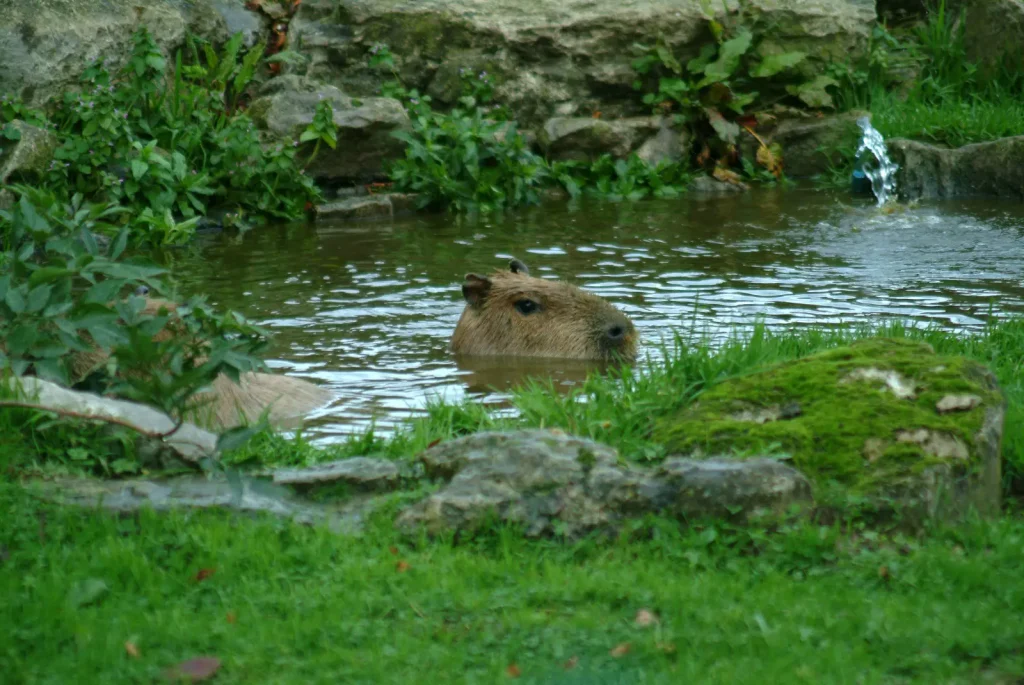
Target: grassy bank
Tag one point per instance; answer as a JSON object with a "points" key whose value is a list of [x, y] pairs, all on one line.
{"points": [[93, 598]]}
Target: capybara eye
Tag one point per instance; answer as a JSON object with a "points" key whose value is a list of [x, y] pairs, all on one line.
{"points": [[525, 306]]}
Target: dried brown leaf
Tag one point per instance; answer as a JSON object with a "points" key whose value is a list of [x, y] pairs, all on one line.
{"points": [[131, 650], [621, 649], [231, 617], [203, 574], [644, 618], [194, 670], [571, 663], [513, 671], [402, 566]]}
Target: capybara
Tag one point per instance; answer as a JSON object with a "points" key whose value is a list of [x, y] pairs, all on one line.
{"points": [[511, 313], [227, 403]]}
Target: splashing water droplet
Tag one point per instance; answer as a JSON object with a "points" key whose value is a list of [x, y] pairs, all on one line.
{"points": [[881, 172]]}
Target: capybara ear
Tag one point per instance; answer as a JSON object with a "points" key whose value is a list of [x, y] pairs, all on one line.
{"points": [[475, 289], [517, 267]]}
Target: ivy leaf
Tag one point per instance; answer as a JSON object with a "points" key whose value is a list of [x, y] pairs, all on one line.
{"points": [[773, 64]]}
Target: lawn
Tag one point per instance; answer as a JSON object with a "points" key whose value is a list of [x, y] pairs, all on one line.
{"points": [[94, 597]]}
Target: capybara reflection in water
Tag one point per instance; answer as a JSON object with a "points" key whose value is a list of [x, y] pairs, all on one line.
{"points": [[513, 314], [226, 404]]}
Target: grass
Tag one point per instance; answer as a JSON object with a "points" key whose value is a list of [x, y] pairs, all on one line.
{"points": [[93, 597], [949, 122], [620, 409], [279, 603]]}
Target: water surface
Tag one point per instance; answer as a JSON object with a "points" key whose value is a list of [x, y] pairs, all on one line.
{"points": [[367, 308]]}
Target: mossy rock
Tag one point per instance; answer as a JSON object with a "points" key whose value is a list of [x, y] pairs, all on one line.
{"points": [[886, 420]]}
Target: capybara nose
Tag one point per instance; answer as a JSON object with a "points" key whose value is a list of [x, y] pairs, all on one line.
{"points": [[616, 333]]}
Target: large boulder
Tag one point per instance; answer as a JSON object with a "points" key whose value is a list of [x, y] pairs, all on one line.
{"points": [[813, 145], [887, 420], [45, 45], [994, 33], [993, 169], [552, 483], [365, 125], [549, 57]]}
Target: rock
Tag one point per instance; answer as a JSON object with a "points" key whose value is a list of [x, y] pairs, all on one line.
{"points": [[45, 45], [586, 139], [188, 441], [241, 494], [993, 169], [548, 57], [665, 147], [362, 473], [869, 420], [365, 125], [381, 206], [706, 185], [7, 199], [810, 146], [994, 33], [720, 487], [29, 154], [549, 482], [238, 19]]}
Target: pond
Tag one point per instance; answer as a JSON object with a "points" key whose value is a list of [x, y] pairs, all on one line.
{"points": [[367, 308]]}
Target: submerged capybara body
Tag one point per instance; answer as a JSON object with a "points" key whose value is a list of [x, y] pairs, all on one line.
{"points": [[227, 403], [511, 313]]}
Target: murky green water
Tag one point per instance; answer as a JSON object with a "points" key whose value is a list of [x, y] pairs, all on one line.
{"points": [[367, 309]]}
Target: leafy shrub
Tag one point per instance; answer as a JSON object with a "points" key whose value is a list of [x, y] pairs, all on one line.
{"points": [[469, 158], [182, 145], [622, 179], [716, 92], [64, 277]]}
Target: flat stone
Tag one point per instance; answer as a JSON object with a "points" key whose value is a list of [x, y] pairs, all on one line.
{"points": [[360, 472], [548, 482], [957, 403], [930, 172], [706, 185]]}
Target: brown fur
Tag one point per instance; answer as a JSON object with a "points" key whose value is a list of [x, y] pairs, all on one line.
{"points": [[228, 404], [565, 321]]}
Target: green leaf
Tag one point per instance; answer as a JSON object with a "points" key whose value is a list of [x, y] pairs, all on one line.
{"points": [[729, 54], [50, 369], [668, 59], [90, 128], [235, 438], [119, 244], [139, 169], [701, 61], [773, 64], [46, 274], [308, 135], [21, 338], [15, 300], [86, 592], [38, 297], [813, 93], [728, 131]]}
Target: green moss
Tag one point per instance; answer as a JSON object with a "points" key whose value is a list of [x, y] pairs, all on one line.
{"points": [[837, 415]]}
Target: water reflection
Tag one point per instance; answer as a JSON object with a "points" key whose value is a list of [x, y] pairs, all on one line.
{"points": [[367, 309]]}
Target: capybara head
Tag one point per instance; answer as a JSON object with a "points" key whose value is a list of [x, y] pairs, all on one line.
{"points": [[514, 314]]}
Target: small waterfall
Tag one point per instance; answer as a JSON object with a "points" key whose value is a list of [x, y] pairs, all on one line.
{"points": [[881, 171]]}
